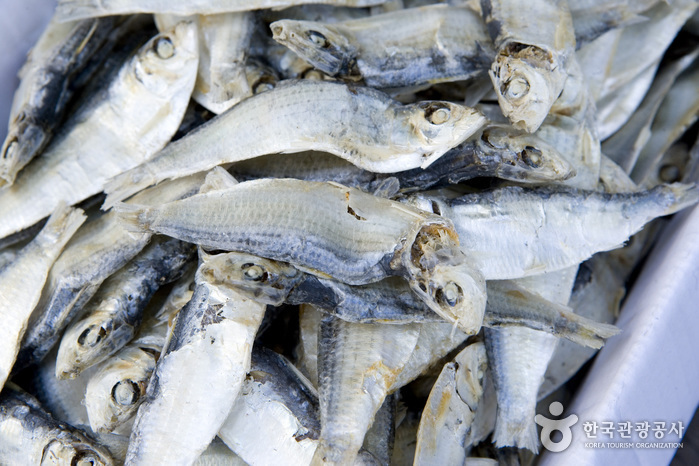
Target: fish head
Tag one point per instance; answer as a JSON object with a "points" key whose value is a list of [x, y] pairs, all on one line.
{"points": [[115, 392], [25, 139], [71, 451], [527, 83], [91, 340], [260, 77], [324, 46], [168, 61], [522, 156], [436, 126], [264, 280], [442, 277], [456, 291]]}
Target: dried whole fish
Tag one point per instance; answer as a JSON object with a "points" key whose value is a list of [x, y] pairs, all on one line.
{"points": [[451, 407], [45, 89], [529, 70], [409, 47], [30, 435], [197, 376], [551, 229], [139, 114], [76, 9], [112, 319], [98, 249], [360, 124], [21, 281], [368, 238]]}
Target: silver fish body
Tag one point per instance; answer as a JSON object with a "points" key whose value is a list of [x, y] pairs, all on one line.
{"points": [[99, 249], [21, 281], [368, 238], [30, 435], [451, 407], [408, 47], [75, 9], [357, 365], [115, 314], [360, 124], [197, 377], [45, 89], [142, 109]]}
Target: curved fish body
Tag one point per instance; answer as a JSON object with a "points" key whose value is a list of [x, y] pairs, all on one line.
{"points": [[368, 238], [357, 365], [403, 48], [451, 409], [224, 40], [197, 377], [495, 151], [140, 111], [116, 311], [99, 248], [534, 231], [44, 91], [359, 124], [22, 280], [75, 9], [116, 390], [276, 403], [31, 436], [529, 70]]}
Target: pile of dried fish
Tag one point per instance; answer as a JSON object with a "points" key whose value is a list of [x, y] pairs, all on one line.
{"points": [[328, 232]]}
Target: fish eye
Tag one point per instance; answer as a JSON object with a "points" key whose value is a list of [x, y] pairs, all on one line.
{"points": [[164, 48], [450, 294], [437, 114], [91, 338], [531, 156], [125, 392], [253, 272], [84, 459], [318, 39], [517, 88], [262, 86]]}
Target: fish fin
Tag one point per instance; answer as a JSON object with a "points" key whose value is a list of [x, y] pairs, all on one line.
{"points": [[520, 435], [125, 185], [587, 332], [216, 180], [134, 218], [62, 224], [681, 196]]}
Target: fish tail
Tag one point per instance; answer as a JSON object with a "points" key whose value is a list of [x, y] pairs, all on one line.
{"points": [[520, 434], [134, 218], [126, 185], [679, 196], [62, 224], [587, 332]]}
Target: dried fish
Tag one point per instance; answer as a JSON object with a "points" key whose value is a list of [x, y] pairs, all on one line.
{"points": [[542, 237], [21, 281], [529, 70], [409, 47], [76, 9], [44, 91], [368, 239], [30, 435], [112, 319], [99, 248], [357, 365], [360, 124], [198, 375], [450, 408], [143, 108]]}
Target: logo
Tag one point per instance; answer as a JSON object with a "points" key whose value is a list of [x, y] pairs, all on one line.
{"points": [[548, 426]]}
